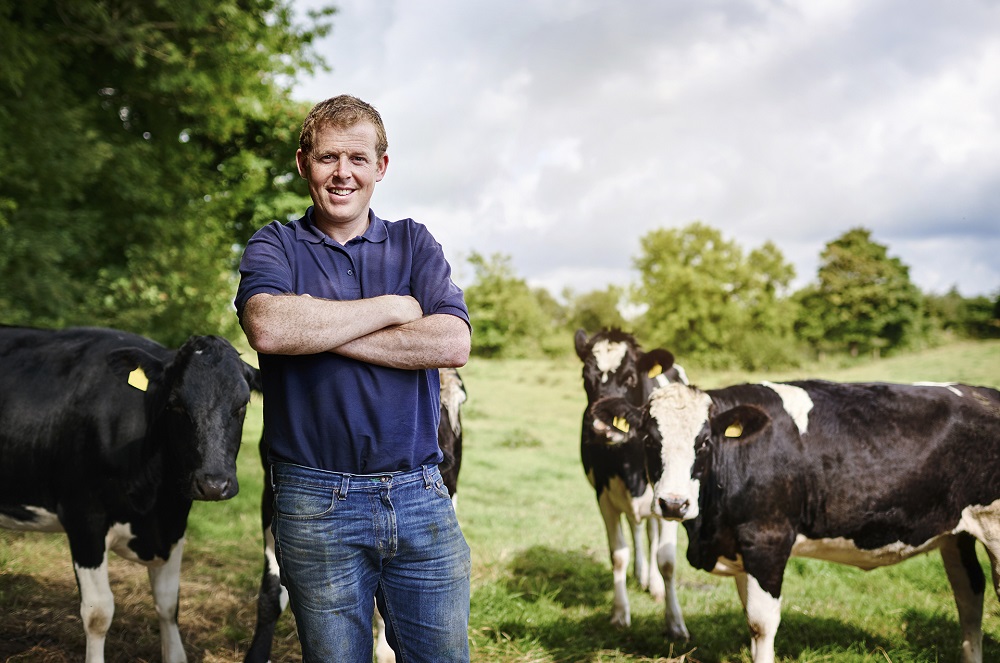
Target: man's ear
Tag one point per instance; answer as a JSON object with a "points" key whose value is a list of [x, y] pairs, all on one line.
{"points": [[383, 165], [302, 163], [740, 424]]}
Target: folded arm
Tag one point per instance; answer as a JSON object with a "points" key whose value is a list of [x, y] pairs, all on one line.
{"points": [[299, 324], [390, 330], [434, 341]]}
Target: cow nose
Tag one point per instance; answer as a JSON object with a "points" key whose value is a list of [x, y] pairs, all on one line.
{"points": [[674, 507], [215, 488]]}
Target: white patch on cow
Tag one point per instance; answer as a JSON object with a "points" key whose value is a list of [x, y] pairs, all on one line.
{"points": [[634, 508], [44, 521], [680, 412], [844, 551], [118, 537], [165, 581], [272, 566], [950, 386], [608, 356], [681, 375], [452, 396], [763, 617], [97, 607], [796, 402], [982, 522]]}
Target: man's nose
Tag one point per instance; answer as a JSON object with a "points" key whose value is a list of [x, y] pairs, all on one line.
{"points": [[341, 168]]}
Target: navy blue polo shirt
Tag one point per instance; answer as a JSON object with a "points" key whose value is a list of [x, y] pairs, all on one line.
{"points": [[336, 413]]}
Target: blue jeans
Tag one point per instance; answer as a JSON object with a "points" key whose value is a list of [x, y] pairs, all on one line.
{"points": [[344, 539]]}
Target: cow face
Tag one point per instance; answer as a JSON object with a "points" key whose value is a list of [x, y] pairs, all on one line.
{"points": [[672, 426], [673, 431], [196, 405], [208, 392], [615, 367]]}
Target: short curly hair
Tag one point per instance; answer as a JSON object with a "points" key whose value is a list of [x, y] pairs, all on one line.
{"points": [[342, 112]]}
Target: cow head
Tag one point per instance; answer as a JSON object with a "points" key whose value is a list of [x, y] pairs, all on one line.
{"points": [[680, 433], [197, 403], [615, 366]]}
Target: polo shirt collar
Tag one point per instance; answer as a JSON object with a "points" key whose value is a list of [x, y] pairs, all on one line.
{"points": [[306, 231]]}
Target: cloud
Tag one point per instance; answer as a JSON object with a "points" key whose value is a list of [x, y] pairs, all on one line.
{"points": [[560, 132]]}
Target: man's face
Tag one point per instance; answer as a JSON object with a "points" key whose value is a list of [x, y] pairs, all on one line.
{"points": [[342, 170]]}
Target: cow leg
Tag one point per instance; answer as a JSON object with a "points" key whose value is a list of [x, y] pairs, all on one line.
{"points": [[97, 607], [763, 612], [271, 602], [621, 615], [165, 581], [969, 586], [654, 576], [666, 561], [383, 652], [640, 564]]}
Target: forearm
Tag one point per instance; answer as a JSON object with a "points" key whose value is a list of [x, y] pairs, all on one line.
{"points": [[434, 341], [299, 324]]}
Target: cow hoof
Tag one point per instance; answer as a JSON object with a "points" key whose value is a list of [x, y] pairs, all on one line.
{"points": [[621, 620], [675, 632]]}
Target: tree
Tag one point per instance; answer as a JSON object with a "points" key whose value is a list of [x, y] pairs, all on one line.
{"points": [[597, 309], [863, 301], [139, 142], [706, 300], [507, 317]]}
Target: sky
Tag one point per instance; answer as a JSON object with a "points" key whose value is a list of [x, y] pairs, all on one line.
{"points": [[560, 132]]}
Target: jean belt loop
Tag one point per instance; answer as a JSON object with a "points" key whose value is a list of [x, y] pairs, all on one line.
{"points": [[428, 482], [345, 484]]}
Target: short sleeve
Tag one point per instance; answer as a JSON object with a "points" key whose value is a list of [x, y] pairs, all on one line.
{"points": [[265, 267]]}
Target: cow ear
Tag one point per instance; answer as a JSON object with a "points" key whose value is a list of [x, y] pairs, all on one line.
{"points": [[615, 418], [654, 362], [741, 423], [580, 341], [252, 376], [135, 367]]}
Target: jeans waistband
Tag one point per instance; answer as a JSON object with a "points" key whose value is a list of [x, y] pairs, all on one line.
{"points": [[342, 482]]}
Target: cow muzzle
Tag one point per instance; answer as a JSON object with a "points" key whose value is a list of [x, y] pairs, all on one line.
{"points": [[214, 488], [674, 507]]}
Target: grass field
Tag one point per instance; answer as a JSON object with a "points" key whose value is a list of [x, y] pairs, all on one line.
{"points": [[541, 575]]}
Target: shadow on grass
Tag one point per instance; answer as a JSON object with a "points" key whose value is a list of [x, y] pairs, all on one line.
{"points": [[565, 601], [568, 578]]}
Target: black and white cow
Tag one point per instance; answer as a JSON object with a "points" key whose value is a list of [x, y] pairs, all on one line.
{"points": [[615, 366], [861, 474], [273, 598], [108, 437]]}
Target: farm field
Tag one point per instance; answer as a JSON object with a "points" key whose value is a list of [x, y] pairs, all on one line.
{"points": [[541, 575]]}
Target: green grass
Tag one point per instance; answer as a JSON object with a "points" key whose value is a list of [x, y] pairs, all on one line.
{"points": [[541, 575]]}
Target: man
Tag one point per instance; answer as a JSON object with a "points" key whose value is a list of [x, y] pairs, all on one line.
{"points": [[352, 316]]}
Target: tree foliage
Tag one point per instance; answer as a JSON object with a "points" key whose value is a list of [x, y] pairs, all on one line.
{"points": [[863, 299], [507, 316], [705, 299], [139, 143]]}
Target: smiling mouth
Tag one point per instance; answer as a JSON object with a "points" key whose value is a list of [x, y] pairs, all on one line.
{"points": [[340, 192]]}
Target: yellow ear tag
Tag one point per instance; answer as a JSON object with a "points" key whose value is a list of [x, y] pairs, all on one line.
{"points": [[138, 379], [620, 423], [655, 370], [735, 429]]}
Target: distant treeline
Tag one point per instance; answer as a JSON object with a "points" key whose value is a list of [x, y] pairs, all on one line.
{"points": [[705, 299]]}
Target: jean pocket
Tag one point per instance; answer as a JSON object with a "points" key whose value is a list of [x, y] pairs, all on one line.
{"points": [[298, 502], [441, 490]]}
